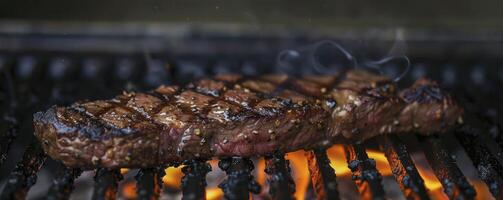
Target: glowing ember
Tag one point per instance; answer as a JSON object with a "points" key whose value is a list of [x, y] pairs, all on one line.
{"points": [[129, 191], [214, 194], [124, 170]]}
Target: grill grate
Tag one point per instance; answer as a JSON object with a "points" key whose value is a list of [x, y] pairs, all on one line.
{"points": [[194, 181], [445, 168], [403, 168], [62, 184], [365, 174], [486, 164], [48, 79], [25, 174], [322, 174], [106, 182], [281, 184], [9, 116], [149, 183], [239, 179]]}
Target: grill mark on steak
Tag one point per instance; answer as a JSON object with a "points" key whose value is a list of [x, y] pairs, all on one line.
{"points": [[287, 88], [138, 115], [95, 124], [260, 107], [238, 94], [166, 94], [143, 117], [264, 106], [219, 100], [253, 109]]}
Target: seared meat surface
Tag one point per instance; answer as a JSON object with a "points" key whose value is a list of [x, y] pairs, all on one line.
{"points": [[429, 109], [231, 115]]}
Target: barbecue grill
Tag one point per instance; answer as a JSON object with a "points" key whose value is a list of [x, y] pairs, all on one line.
{"points": [[59, 65]]}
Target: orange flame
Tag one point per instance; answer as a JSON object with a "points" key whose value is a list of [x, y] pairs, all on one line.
{"points": [[298, 163], [337, 158], [173, 177], [300, 173], [259, 169]]}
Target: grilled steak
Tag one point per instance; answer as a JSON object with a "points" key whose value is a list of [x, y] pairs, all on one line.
{"points": [[429, 109], [235, 116]]}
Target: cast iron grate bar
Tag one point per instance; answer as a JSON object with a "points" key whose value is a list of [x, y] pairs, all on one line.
{"points": [[486, 164], [365, 174], [10, 117], [403, 168], [9, 135], [239, 180], [322, 175], [149, 183], [105, 184], [24, 174], [455, 184], [281, 184], [62, 185], [194, 180]]}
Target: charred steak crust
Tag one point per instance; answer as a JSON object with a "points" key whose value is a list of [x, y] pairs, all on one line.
{"points": [[232, 115], [429, 109]]}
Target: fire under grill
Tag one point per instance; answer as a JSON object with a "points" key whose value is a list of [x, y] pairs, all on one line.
{"points": [[464, 164]]}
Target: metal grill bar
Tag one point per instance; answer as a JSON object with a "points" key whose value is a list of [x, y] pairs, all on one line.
{"points": [[149, 183], [444, 166], [487, 166], [365, 174], [10, 117], [7, 138], [25, 174], [62, 185], [239, 180], [281, 184], [105, 184], [403, 168], [194, 180], [322, 175]]}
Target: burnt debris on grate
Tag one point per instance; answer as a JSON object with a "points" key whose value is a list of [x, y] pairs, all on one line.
{"points": [[403, 168], [194, 179], [281, 184], [239, 182], [149, 183], [365, 174], [106, 182], [323, 175], [455, 184]]}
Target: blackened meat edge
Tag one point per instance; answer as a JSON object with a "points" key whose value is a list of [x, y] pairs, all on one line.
{"points": [[231, 115]]}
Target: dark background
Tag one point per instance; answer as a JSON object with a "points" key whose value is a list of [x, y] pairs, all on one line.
{"points": [[467, 15]]}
